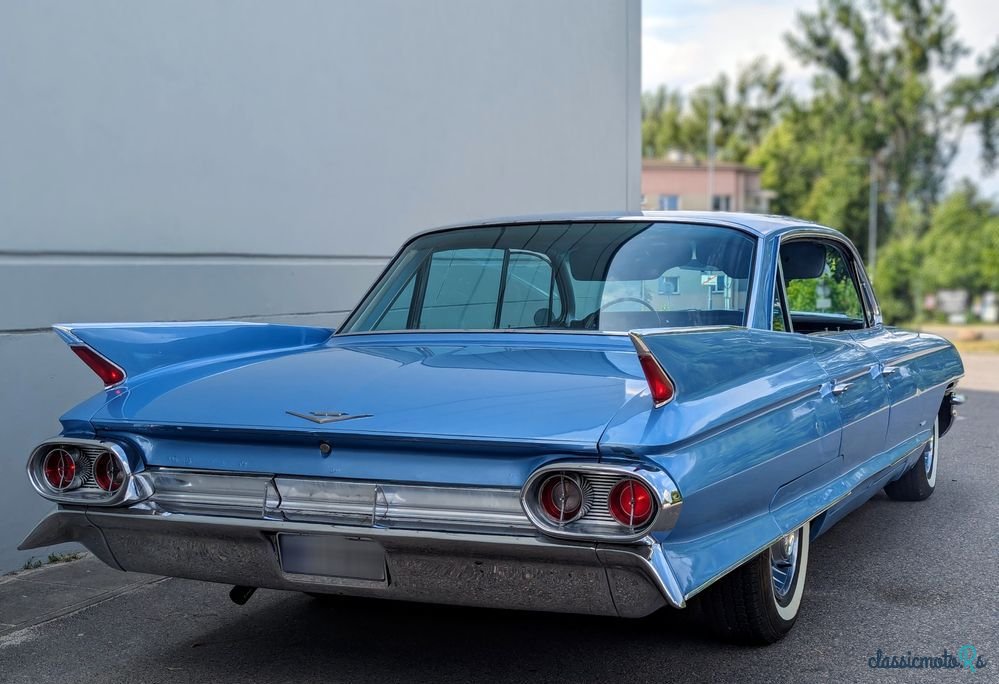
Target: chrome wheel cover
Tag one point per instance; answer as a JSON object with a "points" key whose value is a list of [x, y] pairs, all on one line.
{"points": [[784, 557], [931, 455]]}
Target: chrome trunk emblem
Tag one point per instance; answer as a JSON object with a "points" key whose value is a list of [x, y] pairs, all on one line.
{"points": [[322, 417]]}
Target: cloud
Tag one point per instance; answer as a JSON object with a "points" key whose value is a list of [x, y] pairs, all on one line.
{"points": [[695, 46]]}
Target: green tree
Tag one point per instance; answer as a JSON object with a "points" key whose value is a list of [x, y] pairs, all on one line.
{"points": [[959, 248], [880, 91], [744, 110], [990, 255], [897, 280], [876, 97], [662, 114]]}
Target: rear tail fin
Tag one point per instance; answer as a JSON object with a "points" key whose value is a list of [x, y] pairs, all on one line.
{"points": [[117, 351]]}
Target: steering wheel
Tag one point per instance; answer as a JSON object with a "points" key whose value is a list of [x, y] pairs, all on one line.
{"points": [[590, 321], [627, 299]]}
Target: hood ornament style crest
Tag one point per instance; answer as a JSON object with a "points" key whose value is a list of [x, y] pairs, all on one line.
{"points": [[323, 417]]}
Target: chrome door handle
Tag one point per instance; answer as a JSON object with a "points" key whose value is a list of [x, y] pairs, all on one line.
{"points": [[841, 387], [889, 370]]}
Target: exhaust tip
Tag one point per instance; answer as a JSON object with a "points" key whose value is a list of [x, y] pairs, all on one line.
{"points": [[240, 595]]}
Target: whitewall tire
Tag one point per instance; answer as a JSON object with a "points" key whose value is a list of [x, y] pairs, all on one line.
{"points": [[759, 602], [919, 481]]}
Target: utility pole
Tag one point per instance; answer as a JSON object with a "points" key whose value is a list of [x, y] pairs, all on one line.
{"points": [[711, 154], [872, 217]]}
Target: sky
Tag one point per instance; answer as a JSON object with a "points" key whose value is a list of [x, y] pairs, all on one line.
{"points": [[686, 43]]}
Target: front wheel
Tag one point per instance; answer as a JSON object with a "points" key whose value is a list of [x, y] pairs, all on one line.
{"points": [[920, 480], [759, 601]]}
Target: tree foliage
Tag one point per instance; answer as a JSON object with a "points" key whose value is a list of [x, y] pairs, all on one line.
{"points": [[882, 88], [960, 250], [877, 65], [745, 108], [953, 254]]}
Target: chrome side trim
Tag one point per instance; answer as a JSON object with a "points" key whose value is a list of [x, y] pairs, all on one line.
{"points": [[525, 331], [651, 332], [590, 526], [869, 370], [912, 356]]}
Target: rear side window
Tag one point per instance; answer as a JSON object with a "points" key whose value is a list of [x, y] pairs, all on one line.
{"points": [[820, 282]]}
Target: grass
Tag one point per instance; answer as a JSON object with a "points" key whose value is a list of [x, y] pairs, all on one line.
{"points": [[54, 558], [987, 335], [978, 346], [65, 557]]}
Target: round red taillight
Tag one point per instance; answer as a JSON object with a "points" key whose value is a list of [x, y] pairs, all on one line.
{"points": [[59, 468], [108, 472], [631, 503], [561, 498]]}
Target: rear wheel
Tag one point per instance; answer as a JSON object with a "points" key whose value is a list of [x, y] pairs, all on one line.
{"points": [[759, 601], [920, 480]]}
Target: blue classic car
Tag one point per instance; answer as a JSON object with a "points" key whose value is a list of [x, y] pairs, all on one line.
{"points": [[606, 414]]}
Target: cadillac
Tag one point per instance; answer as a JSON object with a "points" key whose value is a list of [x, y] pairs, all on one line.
{"points": [[606, 414]]}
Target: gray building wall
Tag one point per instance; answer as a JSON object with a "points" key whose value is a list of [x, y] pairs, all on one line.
{"points": [[207, 159]]}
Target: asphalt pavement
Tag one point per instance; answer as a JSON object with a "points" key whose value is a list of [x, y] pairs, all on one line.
{"points": [[895, 578]]}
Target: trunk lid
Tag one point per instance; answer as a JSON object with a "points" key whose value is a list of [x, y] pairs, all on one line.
{"points": [[551, 390]]}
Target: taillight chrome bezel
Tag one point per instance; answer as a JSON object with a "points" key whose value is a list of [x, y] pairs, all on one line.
{"points": [[77, 492], [594, 523]]}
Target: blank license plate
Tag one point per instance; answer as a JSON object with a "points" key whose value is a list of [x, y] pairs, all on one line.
{"points": [[331, 556]]}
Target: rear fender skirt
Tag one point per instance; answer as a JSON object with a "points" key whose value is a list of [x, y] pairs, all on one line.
{"points": [[699, 562]]}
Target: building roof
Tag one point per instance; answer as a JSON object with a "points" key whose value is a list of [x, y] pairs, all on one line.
{"points": [[761, 224], [697, 164]]}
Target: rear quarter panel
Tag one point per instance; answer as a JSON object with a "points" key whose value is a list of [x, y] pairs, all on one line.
{"points": [[752, 414]]}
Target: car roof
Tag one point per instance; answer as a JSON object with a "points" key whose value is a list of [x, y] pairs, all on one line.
{"points": [[761, 224]]}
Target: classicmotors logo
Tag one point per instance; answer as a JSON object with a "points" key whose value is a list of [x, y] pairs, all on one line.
{"points": [[966, 657]]}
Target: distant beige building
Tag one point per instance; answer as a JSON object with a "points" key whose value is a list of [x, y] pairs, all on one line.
{"points": [[671, 185]]}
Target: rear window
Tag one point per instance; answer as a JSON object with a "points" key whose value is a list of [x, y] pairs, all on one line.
{"points": [[609, 276]]}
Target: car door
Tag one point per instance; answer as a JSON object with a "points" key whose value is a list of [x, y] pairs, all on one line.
{"points": [[825, 299], [899, 353]]}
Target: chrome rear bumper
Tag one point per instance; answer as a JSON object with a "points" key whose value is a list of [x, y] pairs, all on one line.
{"points": [[518, 571]]}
